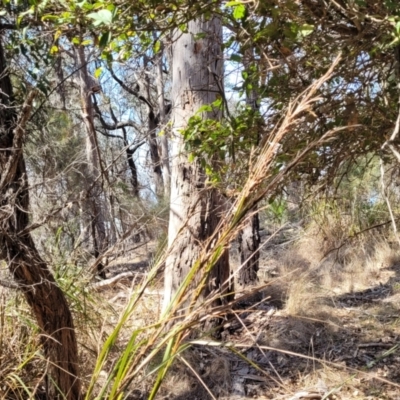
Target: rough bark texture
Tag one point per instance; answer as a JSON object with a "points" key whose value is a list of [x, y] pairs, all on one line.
{"points": [[249, 237], [154, 155], [195, 208], [249, 243], [163, 139], [17, 248], [153, 145], [132, 166], [96, 201]]}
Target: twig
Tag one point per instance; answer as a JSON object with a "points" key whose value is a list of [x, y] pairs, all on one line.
{"points": [[364, 345], [113, 280], [19, 131], [9, 284], [354, 235], [197, 376]]}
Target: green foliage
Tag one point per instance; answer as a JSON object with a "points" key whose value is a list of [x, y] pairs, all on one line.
{"points": [[277, 210], [239, 9], [356, 203], [211, 141]]}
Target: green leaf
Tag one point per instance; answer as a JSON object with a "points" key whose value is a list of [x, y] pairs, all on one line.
{"points": [[239, 11], [306, 29], [49, 17], [157, 46], [101, 17], [205, 108], [98, 72], [183, 28], [81, 4], [217, 103], [236, 57], [105, 39], [66, 14], [200, 35]]}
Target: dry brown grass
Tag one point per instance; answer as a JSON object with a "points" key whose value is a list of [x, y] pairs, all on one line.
{"points": [[312, 269]]}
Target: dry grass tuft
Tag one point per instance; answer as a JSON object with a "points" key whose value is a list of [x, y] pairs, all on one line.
{"points": [[310, 272], [20, 360]]}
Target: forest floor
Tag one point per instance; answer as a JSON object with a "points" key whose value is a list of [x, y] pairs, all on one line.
{"points": [[321, 324], [314, 331]]}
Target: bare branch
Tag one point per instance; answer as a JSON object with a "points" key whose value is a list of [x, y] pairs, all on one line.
{"points": [[19, 131]]}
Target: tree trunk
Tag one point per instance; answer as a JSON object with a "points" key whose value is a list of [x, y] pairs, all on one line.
{"points": [[195, 208], [249, 237], [154, 154], [153, 145], [249, 243], [163, 139], [132, 167], [17, 248], [95, 193]]}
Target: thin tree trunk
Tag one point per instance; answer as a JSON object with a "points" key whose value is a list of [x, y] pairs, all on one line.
{"points": [[249, 243], [155, 156], [17, 248], [96, 195], [163, 139], [152, 126], [132, 166], [129, 156], [154, 150], [195, 208], [249, 237]]}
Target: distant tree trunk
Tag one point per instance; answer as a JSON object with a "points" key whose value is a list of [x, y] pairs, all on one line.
{"points": [[249, 243], [153, 145], [152, 126], [129, 156], [249, 237], [95, 194], [154, 154], [293, 191], [17, 248], [195, 208], [164, 139]]}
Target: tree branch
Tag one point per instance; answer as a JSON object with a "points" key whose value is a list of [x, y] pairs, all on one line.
{"points": [[116, 125], [129, 90], [19, 131]]}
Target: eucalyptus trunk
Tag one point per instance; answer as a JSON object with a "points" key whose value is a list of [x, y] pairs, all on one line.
{"points": [[163, 139], [17, 248], [195, 208], [96, 205], [153, 144]]}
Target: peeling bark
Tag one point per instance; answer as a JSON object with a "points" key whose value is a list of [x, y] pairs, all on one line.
{"points": [[196, 208]]}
